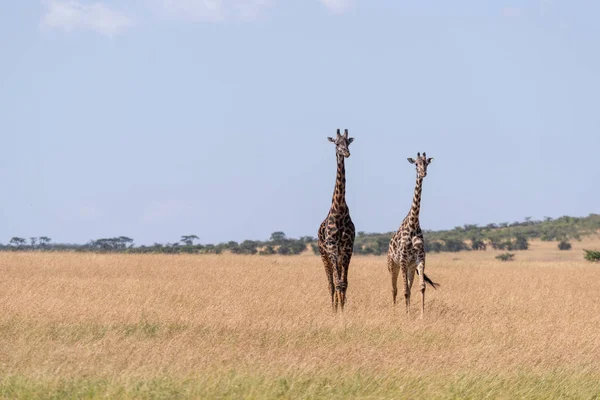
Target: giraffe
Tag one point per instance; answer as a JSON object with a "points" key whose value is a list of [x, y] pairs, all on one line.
{"points": [[406, 250], [336, 232]]}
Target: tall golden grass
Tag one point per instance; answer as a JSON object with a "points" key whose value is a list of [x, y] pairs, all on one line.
{"points": [[184, 326]]}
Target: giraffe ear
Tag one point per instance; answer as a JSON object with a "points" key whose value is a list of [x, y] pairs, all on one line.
{"points": [[429, 160], [331, 139], [410, 160], [350, 140]]}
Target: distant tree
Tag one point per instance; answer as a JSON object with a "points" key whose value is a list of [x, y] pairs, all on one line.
{"points": [[477, 244], [33, 241], [17, 242], [297, 246], [381, 245], [433, 247], [564, 245], [188, 240], [505, 245], [366, 251], [103, 244], [277, 237], [521, 243], [44, 241], [495, 243], [123, 241], [361, 234], [246, 247], [284, 250]]}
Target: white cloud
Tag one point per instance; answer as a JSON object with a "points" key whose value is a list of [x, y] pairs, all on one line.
{"points": [[250, 10], [100, 17], [338, 6], [209, 10], [71, 15], [194, 10]]}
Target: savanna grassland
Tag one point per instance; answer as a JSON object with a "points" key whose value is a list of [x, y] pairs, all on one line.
{"points": [[223, 326]]}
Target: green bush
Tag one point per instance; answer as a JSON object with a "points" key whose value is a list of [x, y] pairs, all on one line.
{"points": [[521, 243], [267, 251], [505, 257], [284, 250], [591, 255]]}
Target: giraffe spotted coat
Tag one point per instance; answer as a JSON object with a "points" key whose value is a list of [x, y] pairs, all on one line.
{"points": [[336, 233], [406, 251]]}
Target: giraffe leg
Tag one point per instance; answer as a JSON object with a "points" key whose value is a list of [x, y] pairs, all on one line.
{"points": [[394, 272], [333, 260], [332, 291], [421, 272], [329, 273], [345, 264], [336, 301], [342, 298], [406, 287]]}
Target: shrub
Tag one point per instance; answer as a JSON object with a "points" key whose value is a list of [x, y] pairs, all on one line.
{"points": [[284, 250], [267, 251], [521, 243], [592, 255], [296, 246], [433, 247], [564, 245], [477, 244], [505, 257]]}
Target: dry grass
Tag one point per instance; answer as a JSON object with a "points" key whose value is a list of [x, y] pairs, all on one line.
{"points": [[161, 326]]}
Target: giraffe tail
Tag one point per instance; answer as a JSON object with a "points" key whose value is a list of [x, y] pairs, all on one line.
{"points": [[431, 283]]}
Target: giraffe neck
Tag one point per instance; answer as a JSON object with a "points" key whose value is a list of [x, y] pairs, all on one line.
{"points": [[413, 215], [339, 192]]}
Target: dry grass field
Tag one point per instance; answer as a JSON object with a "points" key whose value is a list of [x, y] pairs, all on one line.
{"points": [[165, 326]]}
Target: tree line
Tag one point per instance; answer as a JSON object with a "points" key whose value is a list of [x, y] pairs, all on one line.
{"points": [[470, 237]]}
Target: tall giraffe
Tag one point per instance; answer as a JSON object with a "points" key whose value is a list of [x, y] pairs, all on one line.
{"points": [[336, 233], [406, 250]]}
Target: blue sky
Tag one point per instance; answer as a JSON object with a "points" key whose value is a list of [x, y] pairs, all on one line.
{"points": [[158, 118]]}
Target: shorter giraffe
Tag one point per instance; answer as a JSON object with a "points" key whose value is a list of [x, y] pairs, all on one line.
{"points": [[336, 232], [406, 251]]}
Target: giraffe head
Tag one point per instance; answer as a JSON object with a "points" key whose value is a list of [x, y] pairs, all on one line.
{"points": [[421, 162], [341, 143]]}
